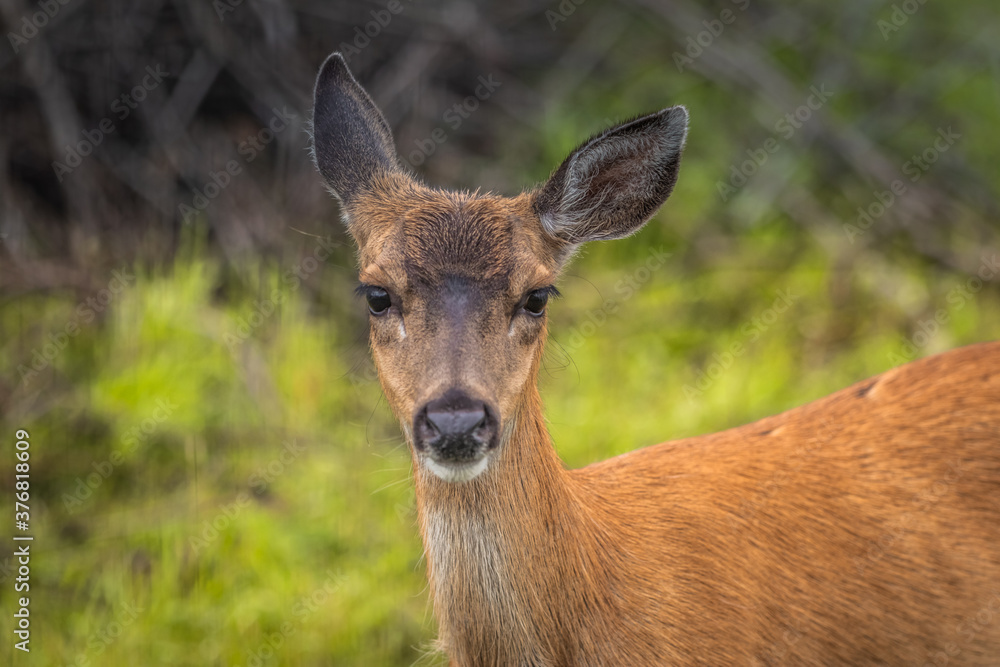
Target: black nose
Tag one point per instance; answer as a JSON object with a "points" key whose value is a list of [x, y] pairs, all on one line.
{"points": [[455, 427]]}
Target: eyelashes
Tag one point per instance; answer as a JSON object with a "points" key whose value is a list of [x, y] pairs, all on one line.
{"points": [[536, 300], [379, 301]]}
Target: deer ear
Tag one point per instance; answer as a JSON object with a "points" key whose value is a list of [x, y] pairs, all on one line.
{"points": [[352, 142], [612, 185]]}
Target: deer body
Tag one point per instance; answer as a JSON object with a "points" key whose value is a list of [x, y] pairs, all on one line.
{"points": [[863, 528], [860, 529]]}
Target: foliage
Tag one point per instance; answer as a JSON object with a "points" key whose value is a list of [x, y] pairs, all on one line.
{"points": [[249, 492]]}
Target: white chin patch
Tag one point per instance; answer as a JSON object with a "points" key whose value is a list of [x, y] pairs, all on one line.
{"points": [[456, 472]]}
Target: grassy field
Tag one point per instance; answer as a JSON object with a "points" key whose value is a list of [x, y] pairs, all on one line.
{"points": [[216, 480]]}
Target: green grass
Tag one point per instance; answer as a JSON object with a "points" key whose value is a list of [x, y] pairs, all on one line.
{"points": [[259, 509]]}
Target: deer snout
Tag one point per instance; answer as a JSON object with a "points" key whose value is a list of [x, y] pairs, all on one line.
{"points": [[455, 428]]}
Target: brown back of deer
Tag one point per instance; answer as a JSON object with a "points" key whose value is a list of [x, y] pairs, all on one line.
{"points": [[861, 529]]}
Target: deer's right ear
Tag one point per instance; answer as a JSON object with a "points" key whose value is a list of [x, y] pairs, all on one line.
{"points": [[611, 185], [352, 142]]}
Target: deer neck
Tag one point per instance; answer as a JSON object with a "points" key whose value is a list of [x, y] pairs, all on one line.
{"points": [[502, 546]]}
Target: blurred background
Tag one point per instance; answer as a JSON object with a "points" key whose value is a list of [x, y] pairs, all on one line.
{"points": [[215, 478]]}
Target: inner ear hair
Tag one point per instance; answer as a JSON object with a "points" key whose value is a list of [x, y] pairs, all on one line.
{"points": [[352, 142], [614, 182]]}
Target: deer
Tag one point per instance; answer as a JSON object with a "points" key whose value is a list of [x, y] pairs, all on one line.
{"points": [[860, 529]]}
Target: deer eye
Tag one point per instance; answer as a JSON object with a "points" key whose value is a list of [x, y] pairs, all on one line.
{"points": [[536, 301], [378, 300]]}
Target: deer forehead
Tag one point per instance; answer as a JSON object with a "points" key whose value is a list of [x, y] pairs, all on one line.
{"points": [[426, 241]]}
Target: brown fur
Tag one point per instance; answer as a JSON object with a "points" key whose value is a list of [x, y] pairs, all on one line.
{"points": [[861, 529]]}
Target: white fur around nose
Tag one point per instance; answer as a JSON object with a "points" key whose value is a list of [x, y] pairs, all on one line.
{"points": [[452, 473]]}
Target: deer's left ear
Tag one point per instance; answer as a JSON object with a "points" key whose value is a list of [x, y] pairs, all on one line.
{"points": [[612, 185], [352, 142]]}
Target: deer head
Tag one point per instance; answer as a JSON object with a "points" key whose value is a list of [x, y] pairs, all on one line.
{"points": [[457, 283]]}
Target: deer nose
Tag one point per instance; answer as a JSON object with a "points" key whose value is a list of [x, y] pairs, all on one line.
{"points": [[461, 422], [454, 427]]}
